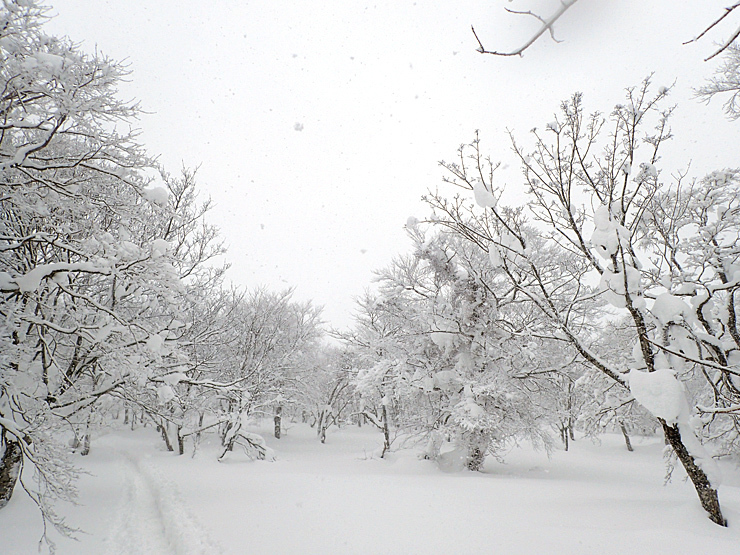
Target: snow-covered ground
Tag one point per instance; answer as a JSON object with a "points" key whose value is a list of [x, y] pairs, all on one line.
{"points": [[338, 498]]}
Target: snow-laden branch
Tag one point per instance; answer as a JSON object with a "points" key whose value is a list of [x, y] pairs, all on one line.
{"points": [[31, 281], [719, 410], [707, 363], [91, 397], [11, 427], [177, 377]]}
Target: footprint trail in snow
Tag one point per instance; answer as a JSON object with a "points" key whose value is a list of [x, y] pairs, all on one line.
{"points": [[152, 520]]}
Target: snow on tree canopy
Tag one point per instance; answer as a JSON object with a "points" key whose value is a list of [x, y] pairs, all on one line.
{"points": [[483, 197], [7, 283], [668, 308], [31, 281], [661, 393], [156, 195], [648, 170], [165, 394], [608, 233], [442, 339], [494, 256], [159, 248], [612, 285], [155, 343], [461, 273], [174, 378], [734, 360], [446, 380]]}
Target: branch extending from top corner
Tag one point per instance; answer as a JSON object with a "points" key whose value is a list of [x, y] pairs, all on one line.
{"points": [[716, 22], [547, 25]]}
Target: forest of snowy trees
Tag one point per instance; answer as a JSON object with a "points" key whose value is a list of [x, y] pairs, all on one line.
{"points": [[608, 302]]}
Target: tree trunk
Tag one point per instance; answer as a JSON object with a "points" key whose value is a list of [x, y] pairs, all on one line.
{"points": [[200, 426], [10, 468], [85, 444], [476, 458], [86, 437], [165, 437], [564, 436], [180, 442], [386, 433], [277, 421], [707, 494], [320, 423], [626, 437]]}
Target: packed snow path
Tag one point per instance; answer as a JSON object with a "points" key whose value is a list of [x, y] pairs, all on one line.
{"points": [[152, 518]]}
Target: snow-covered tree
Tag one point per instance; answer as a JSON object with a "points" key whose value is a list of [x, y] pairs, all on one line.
{"points": [[327, 394], [171, 394], [271, 338], [600, 202], [446, 358], [93, 253]]}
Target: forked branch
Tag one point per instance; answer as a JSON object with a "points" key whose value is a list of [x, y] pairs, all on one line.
{"points": [[547, 26]]}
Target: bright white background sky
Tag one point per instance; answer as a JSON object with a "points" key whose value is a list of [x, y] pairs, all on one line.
{"points": [[383, 90]]}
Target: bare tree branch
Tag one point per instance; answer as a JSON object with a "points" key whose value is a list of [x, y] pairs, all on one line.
{"points": [[716, 22], [547, 25]]}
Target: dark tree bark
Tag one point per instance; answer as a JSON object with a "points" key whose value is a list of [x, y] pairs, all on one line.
{"points": [[85, 445], [10, 468], [564, 436], [475, 459], [707, 494], [180, 442], [386, 432], [200, 425], [278, 420], [626, 437], [163, 430], [86, 439]]}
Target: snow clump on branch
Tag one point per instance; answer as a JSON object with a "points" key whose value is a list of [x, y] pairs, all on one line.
{"points": [[661, 393], [483, 197]]}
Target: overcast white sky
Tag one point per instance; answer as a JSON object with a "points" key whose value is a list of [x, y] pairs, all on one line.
{"points": [[318, 125]]}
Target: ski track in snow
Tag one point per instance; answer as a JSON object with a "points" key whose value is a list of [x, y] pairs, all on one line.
{"points": [[152, 518]]}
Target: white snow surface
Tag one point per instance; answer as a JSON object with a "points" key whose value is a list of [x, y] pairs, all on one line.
{"points": [[340, 498]]}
